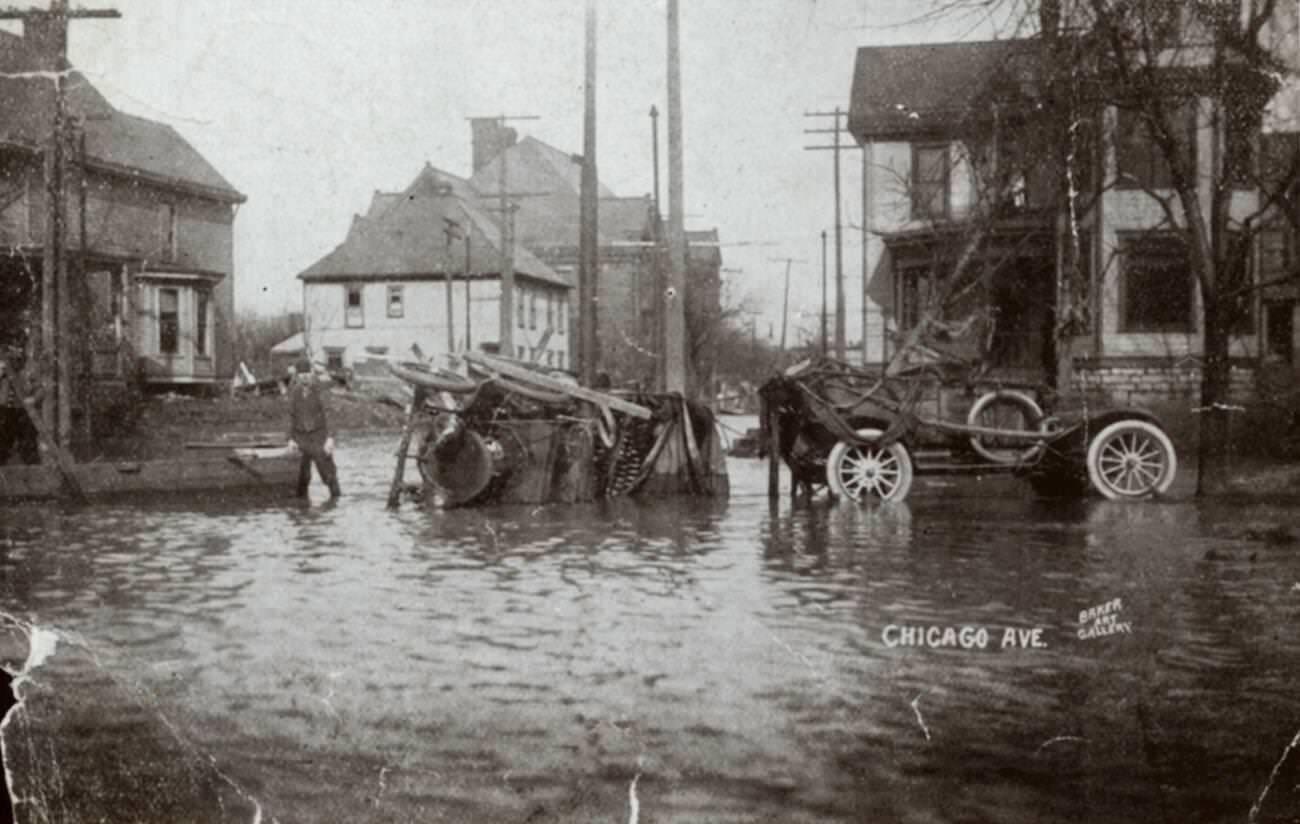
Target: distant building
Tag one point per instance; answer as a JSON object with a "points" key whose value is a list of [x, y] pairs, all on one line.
{"points": [[149, 231], [384, 289], [632, 266]]}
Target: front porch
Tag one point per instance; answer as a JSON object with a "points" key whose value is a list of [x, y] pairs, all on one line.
{"points": [[988, 293]]}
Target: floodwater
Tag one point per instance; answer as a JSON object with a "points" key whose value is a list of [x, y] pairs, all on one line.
{"points": [[674, 661]]}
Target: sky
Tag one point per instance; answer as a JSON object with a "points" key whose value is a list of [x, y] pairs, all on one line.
{"points": [[308, 106]]}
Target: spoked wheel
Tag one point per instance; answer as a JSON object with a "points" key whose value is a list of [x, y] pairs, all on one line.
{"points": [[1006, 410], [866, 472], [1131, 459]]}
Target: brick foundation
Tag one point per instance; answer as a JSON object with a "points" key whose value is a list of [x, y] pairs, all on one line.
{"points": [[1132, 384]]}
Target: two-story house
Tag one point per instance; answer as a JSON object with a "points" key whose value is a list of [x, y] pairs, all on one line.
{"points": [[964, 170], [423, 267], [148, 231]]}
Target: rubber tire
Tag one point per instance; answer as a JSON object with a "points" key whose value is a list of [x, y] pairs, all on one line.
{"points": [[897, 450], [1019, 399], [1158, 438]]}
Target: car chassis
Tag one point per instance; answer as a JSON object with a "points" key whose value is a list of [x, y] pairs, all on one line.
{"points": [[864, 435]]}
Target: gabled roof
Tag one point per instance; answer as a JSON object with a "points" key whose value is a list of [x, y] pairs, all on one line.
{"points": [[408, 237], [553, 222], [913, 89], [536, 167], [429, 176], [115, 141]]}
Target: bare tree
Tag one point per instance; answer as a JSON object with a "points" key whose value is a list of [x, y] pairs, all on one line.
{"points": [[1168, 74]]}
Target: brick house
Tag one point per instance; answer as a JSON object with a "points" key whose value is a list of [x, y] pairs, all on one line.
{"points": [[149, 233], [631, 265], [949, 133]]}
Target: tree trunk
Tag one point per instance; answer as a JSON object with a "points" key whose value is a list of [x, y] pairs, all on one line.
{"points": [[1216, 412]]}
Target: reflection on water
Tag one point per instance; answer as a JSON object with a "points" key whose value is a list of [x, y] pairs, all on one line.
{"points": [[336, 662]]}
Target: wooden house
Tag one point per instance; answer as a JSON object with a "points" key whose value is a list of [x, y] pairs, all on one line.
{"points": [[959, 158], [148, 232]]}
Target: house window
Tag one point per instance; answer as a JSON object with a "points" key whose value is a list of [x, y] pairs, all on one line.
{"points": [[1156, 285], [169, 239], [353, 308], [519, 352], [201, 304], [1142, 163], [563, 311], [914, 294], [1279, 331], [1239, 150], [930, 181], [396, 308], [532, 310], [519, 307], [169, 332], [550, 311], [333, 358]]}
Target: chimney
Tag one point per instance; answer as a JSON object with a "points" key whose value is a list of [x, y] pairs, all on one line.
{"points": [[46, 39], [490, 139]]}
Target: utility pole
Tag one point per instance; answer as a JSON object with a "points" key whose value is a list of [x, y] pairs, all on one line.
{"points": [[866, 250], [588, 217], [785, 302], [55, 363], [453, 230], [674, 297], [823, 312], [505, 208], [659, 282], [469, 296], [654, 154], [835, 149]]}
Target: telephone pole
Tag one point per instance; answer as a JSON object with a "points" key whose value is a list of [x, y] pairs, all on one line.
{"points": [[55, 363], [785, 302], [588, 217], [838, 114], [823, 312], [674, 297]]}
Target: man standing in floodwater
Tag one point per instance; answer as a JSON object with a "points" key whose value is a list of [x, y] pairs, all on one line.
{"points": [[308, 429]]}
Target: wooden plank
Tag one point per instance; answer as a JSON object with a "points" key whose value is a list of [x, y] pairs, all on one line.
{"points": [[183, 475], [583, 393], [403, 448], [228, 445]]}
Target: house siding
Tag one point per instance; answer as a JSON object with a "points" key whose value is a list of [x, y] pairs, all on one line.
{"points": [[127, 223], [424, 318], [1120, 212]]}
